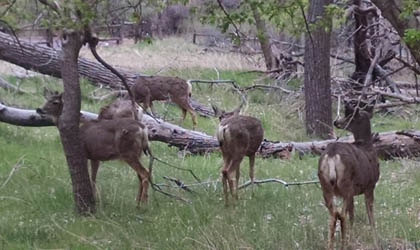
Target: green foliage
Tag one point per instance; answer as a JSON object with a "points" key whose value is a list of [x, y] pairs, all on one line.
{"points": [[409, 6], [336, 13], [412, 37], [284, 14]]}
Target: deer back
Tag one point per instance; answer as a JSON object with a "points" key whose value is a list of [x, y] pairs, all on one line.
{"points": [[109, 139], [160, 88], [240, 134], [348, 169], [120, 108]]}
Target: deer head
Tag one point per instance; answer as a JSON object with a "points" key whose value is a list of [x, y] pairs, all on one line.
{"points": [[54, 105], [357, 121], [222, 115]]}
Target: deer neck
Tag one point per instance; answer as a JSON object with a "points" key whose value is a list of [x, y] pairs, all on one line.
{"points": [[363, 137]]}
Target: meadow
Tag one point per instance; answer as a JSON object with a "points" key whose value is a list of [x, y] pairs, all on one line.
{"points": [[36, 201]]}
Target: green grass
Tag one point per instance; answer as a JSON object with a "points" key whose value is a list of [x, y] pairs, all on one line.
{"points": [[37, 209]]}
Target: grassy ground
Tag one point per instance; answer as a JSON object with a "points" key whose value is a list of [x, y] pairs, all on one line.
{"points": [[36, 203]]}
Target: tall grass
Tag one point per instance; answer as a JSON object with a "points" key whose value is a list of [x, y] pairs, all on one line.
{"points": [[37, 210]]}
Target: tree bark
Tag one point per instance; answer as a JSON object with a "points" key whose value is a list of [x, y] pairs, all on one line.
{"points": [[391, 10], [68, 124], [317, 72], [47, 61], [138, 33], [389, 144], [362, 55], [263, 38]]}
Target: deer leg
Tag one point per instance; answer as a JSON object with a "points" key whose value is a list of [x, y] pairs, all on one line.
{"points": [[251, 172], [251, 168], [94, 165], [152, 108], [238, 175], [184, 114], [328, 197], [230, 181], [235, 167], [350, 211], [342, 217], [225, 173], [194, 121], [143, 176], [331, 231], [369, 207]]}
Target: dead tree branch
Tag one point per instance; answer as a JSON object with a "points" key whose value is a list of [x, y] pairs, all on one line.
{"points": [[285, 183]]}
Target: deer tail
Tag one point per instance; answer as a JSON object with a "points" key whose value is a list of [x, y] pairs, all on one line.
{"points": [[329, 168], [189, 88], [142, 137], [333, 163], [222, 134]]}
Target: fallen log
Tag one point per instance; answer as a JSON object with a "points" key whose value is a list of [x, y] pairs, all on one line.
{"points": [[48, 61], [187, 140], [389, 144]]}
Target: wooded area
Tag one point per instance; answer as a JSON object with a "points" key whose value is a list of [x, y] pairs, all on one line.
{"points": [[372, 37]]}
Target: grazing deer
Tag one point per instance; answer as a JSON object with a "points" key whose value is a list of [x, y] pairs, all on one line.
{"points": [[104, 140], [238, 136], [148, 89], [349, 169], [120, 108]]}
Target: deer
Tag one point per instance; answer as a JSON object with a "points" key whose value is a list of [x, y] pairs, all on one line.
{"points": [[120, 108], [104, 140], [349, 169], [238, 136], [148, 89]]}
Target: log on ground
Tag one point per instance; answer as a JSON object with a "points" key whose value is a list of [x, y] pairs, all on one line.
{"points": [[389, 144]]}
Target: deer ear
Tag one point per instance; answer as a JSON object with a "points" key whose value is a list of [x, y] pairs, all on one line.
{"points": [[236, 111], [348, 109], [217, 111], [370, 107], [46, 93]]}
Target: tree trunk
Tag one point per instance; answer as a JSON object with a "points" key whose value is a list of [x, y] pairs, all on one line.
{"points": [[317, 72], [263, 38], [138, 27], [68, 124], [362, 56], [389, 144], [391, 10]]}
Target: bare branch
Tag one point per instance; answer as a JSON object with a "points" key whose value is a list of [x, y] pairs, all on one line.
{"points": [[179, 183], [285, 183], [52, 4], [18, 164], [238, 32], [4, 84]]}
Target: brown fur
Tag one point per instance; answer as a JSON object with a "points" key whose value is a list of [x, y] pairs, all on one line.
{"points": [[148, 89], [238, 136], [120, 108], [104, 140], [349, 169]]}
